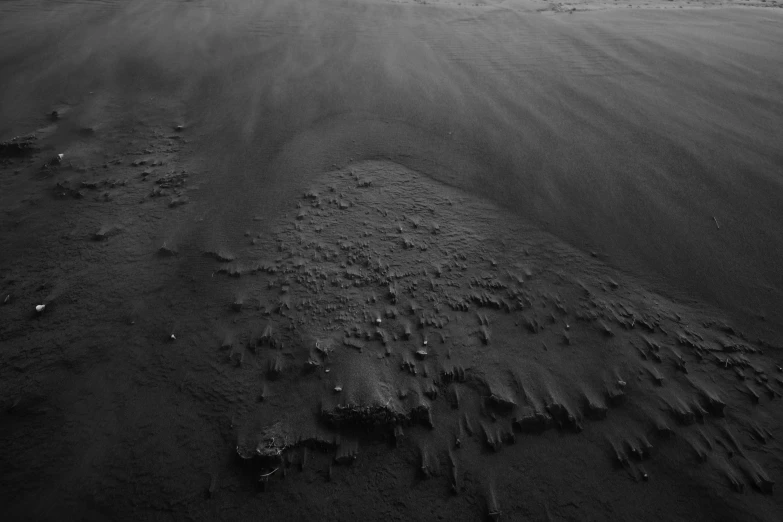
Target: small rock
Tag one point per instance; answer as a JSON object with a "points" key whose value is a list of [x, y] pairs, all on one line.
{"points": [[56, 160], [178, 201]]}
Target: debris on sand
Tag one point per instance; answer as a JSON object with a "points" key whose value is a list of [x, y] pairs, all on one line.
{"points": [[324, 346], [272, 442], [59, 113], [172, 180], [501, 403], [354, 343], [178, 201], [484, 334], [493, 506], [490, 437], [107, 231], [427, 464], [276, 367], [54, 161], [18, 146], [167, 250], [347, 451], [454, 482], [352, 415], [532, 421], [64, 189], [757, 476], [220, 255]]}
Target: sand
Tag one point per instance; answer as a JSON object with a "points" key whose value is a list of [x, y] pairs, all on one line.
{"points": [[418, 260]]}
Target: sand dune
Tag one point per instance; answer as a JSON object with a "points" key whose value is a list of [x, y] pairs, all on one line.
{"points": [[407, 259]]}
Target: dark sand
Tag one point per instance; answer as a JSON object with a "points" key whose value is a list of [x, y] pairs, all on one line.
{"points": [[264, 209]]}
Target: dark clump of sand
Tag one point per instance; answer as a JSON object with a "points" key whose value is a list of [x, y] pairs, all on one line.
{"points": [[364, 259]]}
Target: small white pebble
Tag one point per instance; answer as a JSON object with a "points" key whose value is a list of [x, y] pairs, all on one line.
{"points": [[40, 308]]}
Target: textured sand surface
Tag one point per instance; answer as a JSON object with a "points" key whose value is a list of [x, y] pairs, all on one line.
{"points": [[337, 259]]}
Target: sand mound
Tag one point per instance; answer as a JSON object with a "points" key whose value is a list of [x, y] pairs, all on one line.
{"points": [[403, 303]]}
